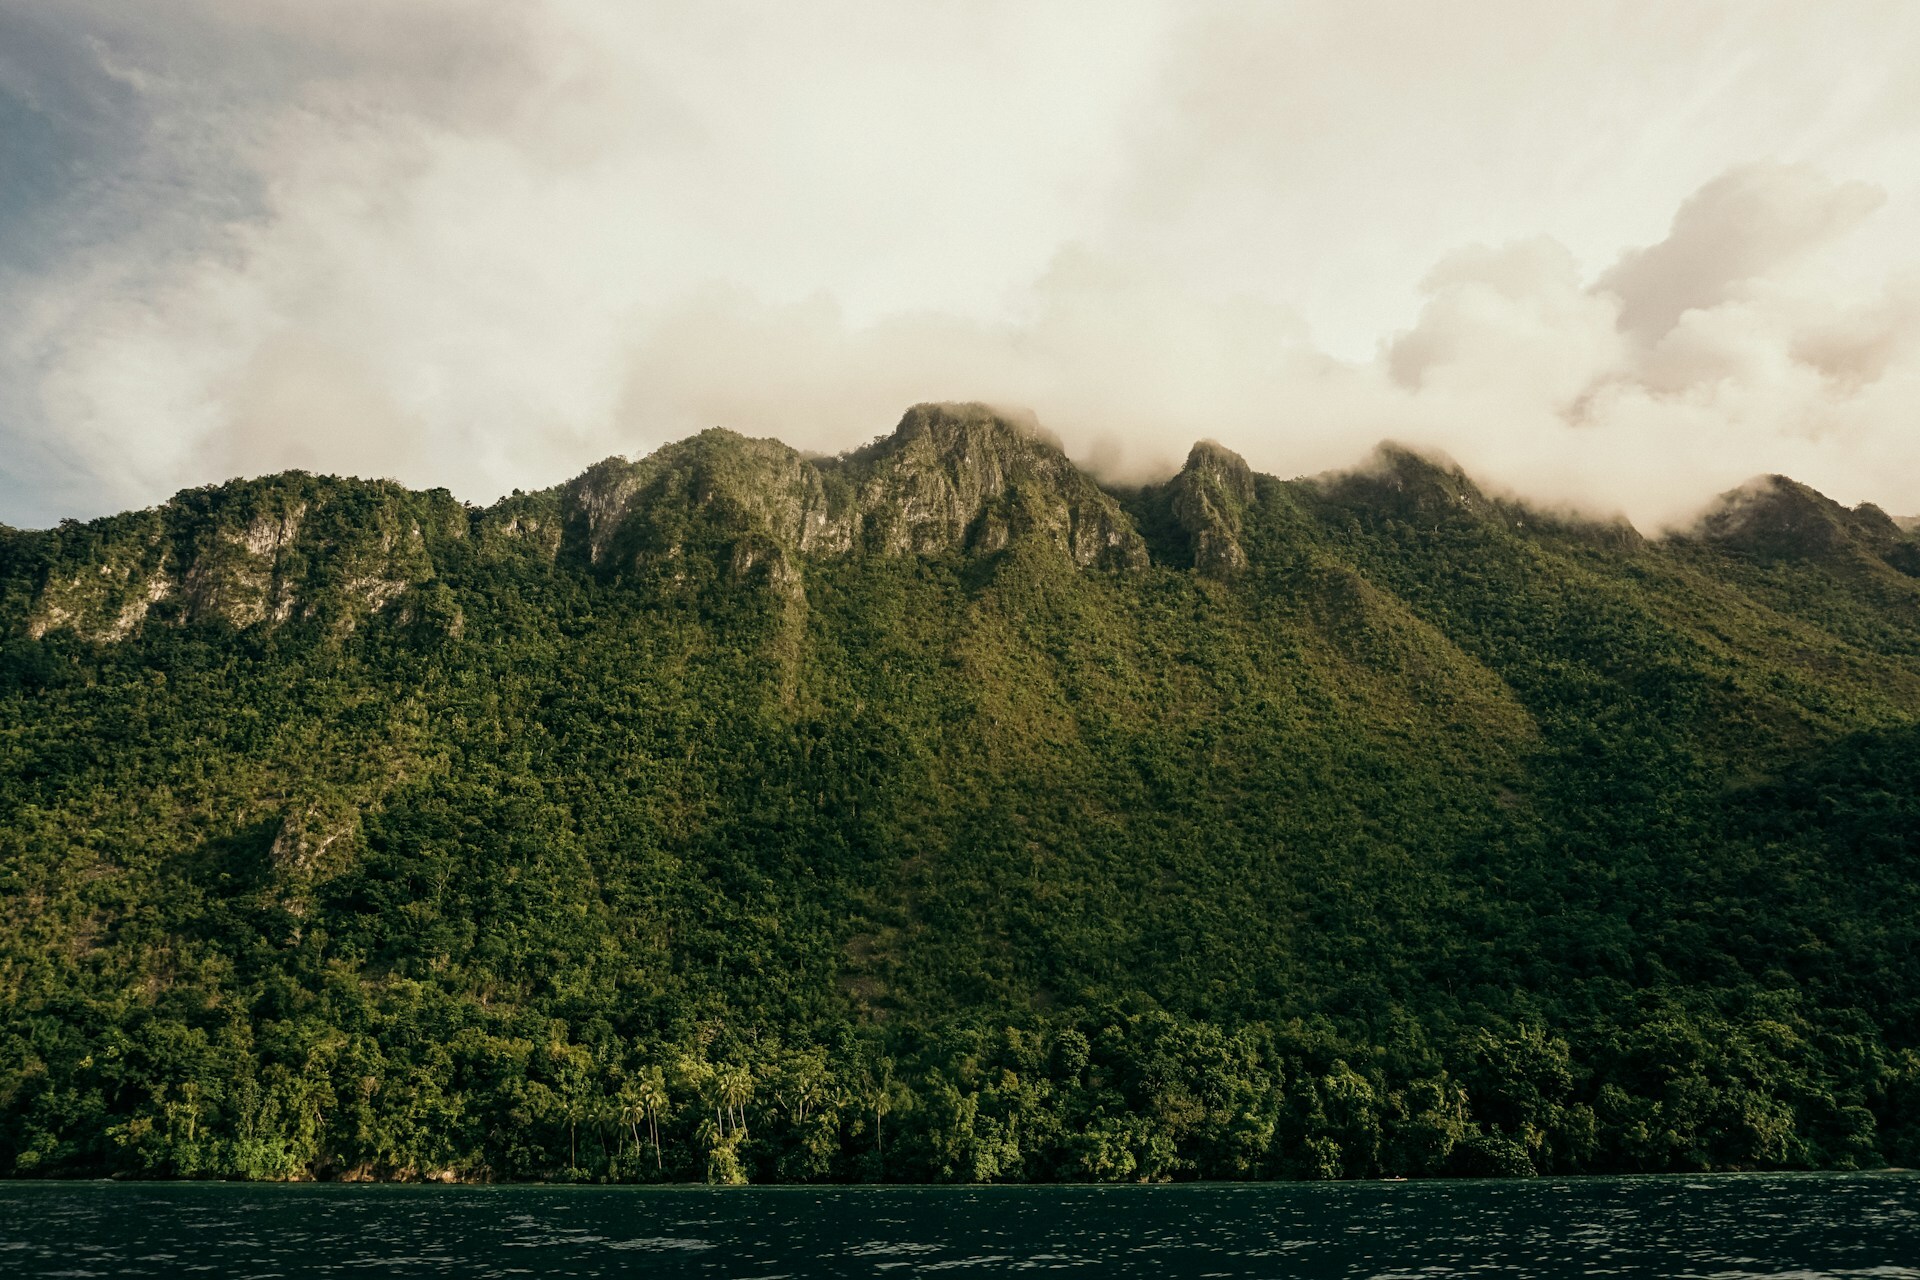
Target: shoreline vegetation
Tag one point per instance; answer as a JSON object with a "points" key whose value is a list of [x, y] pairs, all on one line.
{"points": [[454, 1180], [935, 814]]}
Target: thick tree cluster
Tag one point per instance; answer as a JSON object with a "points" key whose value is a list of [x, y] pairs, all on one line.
{"points": [[932, 813]]}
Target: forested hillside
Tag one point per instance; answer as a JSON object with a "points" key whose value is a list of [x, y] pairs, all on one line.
{"points": [[932, 812]]}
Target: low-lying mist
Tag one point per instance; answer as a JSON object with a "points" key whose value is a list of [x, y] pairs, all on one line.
{"points": [[1683, 370]]}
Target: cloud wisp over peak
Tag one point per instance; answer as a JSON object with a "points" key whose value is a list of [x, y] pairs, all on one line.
{"points": [[1612, 255]]}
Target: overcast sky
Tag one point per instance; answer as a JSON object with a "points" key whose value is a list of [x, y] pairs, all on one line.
{"points": [[1618, 255]]}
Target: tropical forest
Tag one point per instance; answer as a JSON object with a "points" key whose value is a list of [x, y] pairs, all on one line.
{"points": [[938, 812]]}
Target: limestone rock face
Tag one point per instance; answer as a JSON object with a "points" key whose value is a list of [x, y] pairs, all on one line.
{"points": [[1208, 500], [757, 503], [965, 476], [720, 508], [295, 547], [286, 547], [949, 478]]}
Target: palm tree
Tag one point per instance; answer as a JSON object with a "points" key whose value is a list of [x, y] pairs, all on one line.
{"points": [[628, 1110], [735, 1087], [650, 1092]]}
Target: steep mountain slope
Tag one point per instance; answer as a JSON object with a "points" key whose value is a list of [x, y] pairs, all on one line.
{"points": [[930, 812]]}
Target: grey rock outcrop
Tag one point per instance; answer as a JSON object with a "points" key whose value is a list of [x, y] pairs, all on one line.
{"points": [[949, 478], [268, 551], [1208, 500], [966, 476]]}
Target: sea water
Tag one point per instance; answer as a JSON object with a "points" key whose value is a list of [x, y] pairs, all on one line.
{"points": [[1726, 1226]]}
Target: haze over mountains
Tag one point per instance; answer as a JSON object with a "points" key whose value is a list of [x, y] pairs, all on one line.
{"points": [[932, 811], [1620, 257]]}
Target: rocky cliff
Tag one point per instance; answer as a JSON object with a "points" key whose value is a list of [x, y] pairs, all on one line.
{"points": [[950, 478], [291, 547]]}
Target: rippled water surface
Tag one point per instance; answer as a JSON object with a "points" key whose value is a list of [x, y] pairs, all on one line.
{"points": [[1801, 1226]]}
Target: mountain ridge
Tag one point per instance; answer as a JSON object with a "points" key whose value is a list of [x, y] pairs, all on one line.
{"points": [[948, 477], [933, 813]]}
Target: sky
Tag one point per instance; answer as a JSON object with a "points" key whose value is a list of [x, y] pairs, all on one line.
{"points": [[1617, 257]]}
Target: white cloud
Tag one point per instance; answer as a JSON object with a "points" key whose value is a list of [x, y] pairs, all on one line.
{"points": [[1742, 226], [482, 244]]}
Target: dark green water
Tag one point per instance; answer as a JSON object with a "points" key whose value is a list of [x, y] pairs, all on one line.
{"points": [[1801, 1226]]}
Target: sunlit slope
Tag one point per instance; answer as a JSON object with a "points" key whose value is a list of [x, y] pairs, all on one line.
{"points": [[413, 818]]}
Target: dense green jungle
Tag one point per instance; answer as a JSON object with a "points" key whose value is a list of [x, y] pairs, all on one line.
{"points": [[934, 813]]}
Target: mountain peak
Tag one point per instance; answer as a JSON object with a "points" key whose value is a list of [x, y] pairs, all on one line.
{"points": [[1416, 486], [969, 475], [758, 497], [949, 477], [1208, 499], [1776, 517], [1221, 467], [950, 424]]}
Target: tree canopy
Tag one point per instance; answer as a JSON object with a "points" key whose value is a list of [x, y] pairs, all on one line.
{"points": [[932, 813]]}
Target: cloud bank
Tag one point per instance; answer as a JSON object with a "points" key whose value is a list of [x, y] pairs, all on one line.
{"points": [[1615, 255]]}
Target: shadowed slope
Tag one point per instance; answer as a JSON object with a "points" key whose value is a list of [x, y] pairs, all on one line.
{"points": [[931, 812]]}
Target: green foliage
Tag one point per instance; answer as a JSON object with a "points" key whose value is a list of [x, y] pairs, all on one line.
{"points": [[1375, 827]]}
